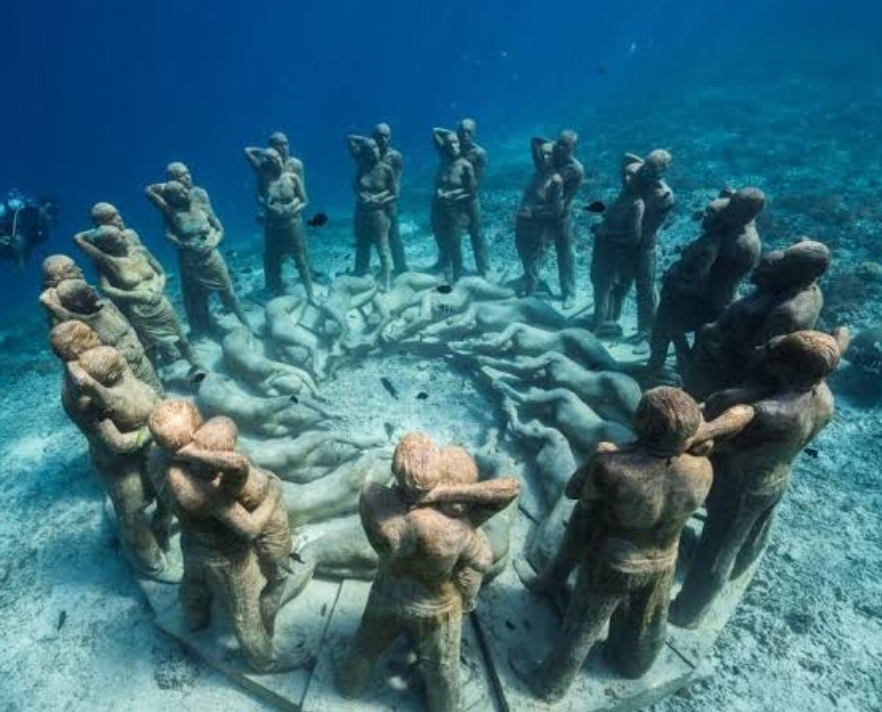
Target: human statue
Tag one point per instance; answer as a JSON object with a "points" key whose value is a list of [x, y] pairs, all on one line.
{"points": [[110, 406], [382, 134], [541, 204], [375, 188], [218, 472], [103, 214], [218, 531], [74, 299], [632, 504], [291, 340], [453, 206], [477, 157], [705, 279], [616, 241], [786, 298], [194, 229], [432, 560], [135, 282], [179, 172], [561, 230], [245, 361], [278, 141], [752, 471], [283, 198], [55, 269]]}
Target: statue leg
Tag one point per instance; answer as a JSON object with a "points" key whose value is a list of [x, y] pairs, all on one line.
{"points": [[531, 249], [647, 292], [384, 252], [438, 641], [454, 250], [194, 593], [195, 304], [272, 260], [376, 632], [362, 246], [569, 553], [757, 539], [300, 253], [659, 342], [566, 259], [231, 303], [479, 244], [399, 260], [443, 261], [638, 628]]}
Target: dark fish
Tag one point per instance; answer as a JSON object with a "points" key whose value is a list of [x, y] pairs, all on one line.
{"points": [[390, 389], [510, 625], [811, 452], [597, 206], [197, 377], [296, 557], [294, 400], [324, 610], [390, 429], [601, 69], [318, 220], [697, 215], [422, 395], [444, 289], [62, 619]]}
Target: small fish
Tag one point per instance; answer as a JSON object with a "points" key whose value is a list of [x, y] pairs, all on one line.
{"points": [[390, 430], [318, 220], [601, 69], [697, 215], [444, 289], [390, 389], [294, 400], [324, 610], [422, 395], [597, 206], [510, 625], [811, 452], [62, 619], [296, 557]]}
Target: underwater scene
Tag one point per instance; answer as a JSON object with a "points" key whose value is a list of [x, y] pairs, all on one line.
{"points": [[464, 356]]}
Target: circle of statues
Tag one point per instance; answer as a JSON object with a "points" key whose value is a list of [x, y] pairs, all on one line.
{"points": [[623, 453]]}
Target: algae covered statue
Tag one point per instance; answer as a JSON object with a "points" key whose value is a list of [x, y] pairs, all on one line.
{"points": [[432, 559], [283, 199], [623, 535], [234, 535], [375, 190], [382, 134], [452, 203], [752, 471], [477, 157], [561, 230]]}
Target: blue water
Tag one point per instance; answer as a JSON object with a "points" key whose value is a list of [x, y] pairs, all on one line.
{"points": [[100, 95]]}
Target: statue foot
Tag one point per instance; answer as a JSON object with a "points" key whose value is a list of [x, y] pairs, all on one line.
{"points": [[609, 330], [528, 671], [679, 616], [298, 580], [569, 302]]}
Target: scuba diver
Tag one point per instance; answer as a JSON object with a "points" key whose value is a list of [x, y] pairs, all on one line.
{"points": [[24, 223]]}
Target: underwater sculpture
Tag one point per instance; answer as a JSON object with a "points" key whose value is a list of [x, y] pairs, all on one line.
{"points": [[382, 134], [787, 298], [432, 562], [375, 189], [453, 206], [106, 214], [792, 404], [194, 229], [623, 536], [110, 406], [244, 361], [705, 279], [218, 532], [55, 269], [74, 299], [135, 282], [278, 141], [617, 240], [283, 198], [477, 157], [561, 230], [541, 203]]}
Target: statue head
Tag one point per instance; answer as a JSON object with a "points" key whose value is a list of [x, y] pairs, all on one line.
{"points": [[465, 131], [77, 296], [370, 151], [71, 339], [744, 206], [416, 465], [273, 162], [279, 143], [105, 364], [382, 134], [797, 266], [110, 239], [173, 423], [457, 466], [106, 214], [450, 145], [656, 163], [176, 195], [217, 433], [665, 419], [179, 172], [801, 360], [565, 145], [57, 268]]}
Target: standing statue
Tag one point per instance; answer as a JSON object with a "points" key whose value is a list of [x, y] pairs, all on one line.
{"points": [[752, 471], [221, 518], [56, 269], [382, 134], [541, 204], [616, 241], [623, 535], [787, 298], [452, 203], [704, 281], [110, 406], [432, 559], [283, 199], [106, 214], [375, 189], [194, 229], [561, 231], [477, 157]]}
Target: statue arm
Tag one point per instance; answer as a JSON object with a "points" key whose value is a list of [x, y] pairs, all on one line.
{"points": [[119, 442], [217, 232], [154, 195], [55, 309], [121, 295], [300, 199], [245, 524], [92, 252], [475, 560], [254, 156], [227, 461]]}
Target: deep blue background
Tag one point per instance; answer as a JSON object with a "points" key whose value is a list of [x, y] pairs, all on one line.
{"points": [[99, 95]]}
